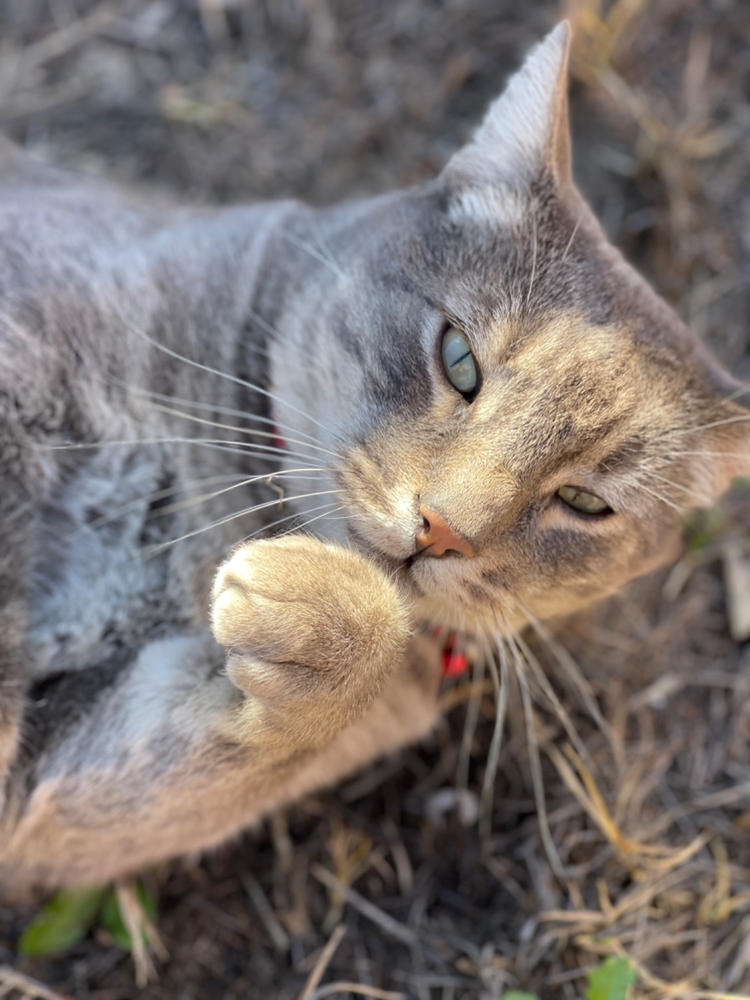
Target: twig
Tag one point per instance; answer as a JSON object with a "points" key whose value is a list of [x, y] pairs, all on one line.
{"points": [[28, 987], [365, 907], [358, 989], [60, 42], [265, 911], [144, 937], [322, 964]]}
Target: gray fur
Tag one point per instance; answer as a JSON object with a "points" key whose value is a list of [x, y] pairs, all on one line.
{"points": [[127, 732]]}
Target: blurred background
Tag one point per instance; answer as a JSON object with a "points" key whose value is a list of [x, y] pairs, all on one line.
{"points": [[222, 100]]}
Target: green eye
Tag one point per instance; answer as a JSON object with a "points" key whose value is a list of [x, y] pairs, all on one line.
{"points": [[458, 361], [583, 501]]}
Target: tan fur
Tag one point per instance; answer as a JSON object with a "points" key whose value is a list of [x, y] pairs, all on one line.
{"points": [[313, 632]]}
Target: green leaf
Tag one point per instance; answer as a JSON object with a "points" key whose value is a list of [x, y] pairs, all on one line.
{"points": [[519, 995], [63, 922], [703, 527], [111, 918], [611, 980]]}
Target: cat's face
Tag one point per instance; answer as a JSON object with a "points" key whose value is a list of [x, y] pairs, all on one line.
{"points": [[522, 421]]}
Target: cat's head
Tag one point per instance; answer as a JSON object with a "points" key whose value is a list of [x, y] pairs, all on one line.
{"points": [[522, 420]]}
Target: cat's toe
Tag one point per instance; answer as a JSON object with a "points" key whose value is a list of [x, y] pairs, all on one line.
{"points": [[320, 612]]}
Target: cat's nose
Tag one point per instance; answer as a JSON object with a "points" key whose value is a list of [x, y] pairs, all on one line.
{"points": [[437, 538]]}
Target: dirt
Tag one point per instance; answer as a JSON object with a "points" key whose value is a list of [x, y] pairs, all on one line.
{"points": [[648, 823]]}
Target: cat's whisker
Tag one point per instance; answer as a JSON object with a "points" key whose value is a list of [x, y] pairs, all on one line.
{"points": [[324, 247], [318, 517], [570, 668], [261, 451], [316, 254], [160, 494], [276, 338], [242, 430], [240, 513], [711, 454], [500, 692], [471, 721], [287, 517], [206, 497], [226, 375], [658, 496], [535, 763], [572, 237], [551, 695], [689, 491], [533, 262], [212, 407], [695, 495], [740, 419]]}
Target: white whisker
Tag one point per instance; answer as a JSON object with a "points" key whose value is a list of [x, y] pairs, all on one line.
{"points": [[260, 451], [306, 248], [535, 764], [241, 430], [533, 262], [205, 497], [551, 695], [226, 375], [572, 237], [288, 517], [743, 418], [500, 690], [213, 407], [658, 496], [240, 513], [571, 669], [166, 491], [471, 721], [299, 527]]}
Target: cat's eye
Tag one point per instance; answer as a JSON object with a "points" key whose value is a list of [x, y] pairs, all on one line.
{"points": [[583, 501], [459, 363]]}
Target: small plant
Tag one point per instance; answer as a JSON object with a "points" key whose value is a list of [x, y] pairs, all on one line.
{"points": [[610, 980], [69, 916], [64, 921]]}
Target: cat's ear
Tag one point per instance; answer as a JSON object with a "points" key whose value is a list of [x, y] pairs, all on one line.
{"points": [[525, 131]]}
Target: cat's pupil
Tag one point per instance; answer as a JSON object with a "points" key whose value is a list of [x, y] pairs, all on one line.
{"points": [[459, 362]]}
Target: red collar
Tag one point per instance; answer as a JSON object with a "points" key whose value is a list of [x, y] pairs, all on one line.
{"points": [[455, 662]]}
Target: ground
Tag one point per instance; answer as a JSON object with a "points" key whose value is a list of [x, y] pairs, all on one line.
{"points": [[644, 849]]}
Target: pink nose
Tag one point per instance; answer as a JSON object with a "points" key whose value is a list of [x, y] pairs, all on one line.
{"points": [[437, 537]]}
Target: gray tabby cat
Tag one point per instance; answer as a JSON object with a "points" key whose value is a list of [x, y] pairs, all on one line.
{"points": [[486, 414]]}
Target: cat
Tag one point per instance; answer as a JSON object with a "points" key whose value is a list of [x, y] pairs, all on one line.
{"points": [[455, 405]]}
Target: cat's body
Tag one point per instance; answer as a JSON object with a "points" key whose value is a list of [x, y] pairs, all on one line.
{"points": [[128, 733], [125, 673]]}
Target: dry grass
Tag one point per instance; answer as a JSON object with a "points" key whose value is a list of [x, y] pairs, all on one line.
{"points": [[390, 886]]}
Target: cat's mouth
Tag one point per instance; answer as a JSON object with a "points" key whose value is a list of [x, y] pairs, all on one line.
{"points": [[409, 572], [397, 567]]}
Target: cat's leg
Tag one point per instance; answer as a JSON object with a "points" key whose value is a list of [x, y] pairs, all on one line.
{"points": [[127, 766], [312, 632]]}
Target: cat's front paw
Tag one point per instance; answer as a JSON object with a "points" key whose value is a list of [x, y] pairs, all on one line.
{"points": [[312, 632]]}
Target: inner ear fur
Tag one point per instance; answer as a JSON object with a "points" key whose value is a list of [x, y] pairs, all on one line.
{"points": [[525, 132]]}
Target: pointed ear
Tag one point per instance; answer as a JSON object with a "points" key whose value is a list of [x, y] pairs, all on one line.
{"points": [[526, 129]]}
